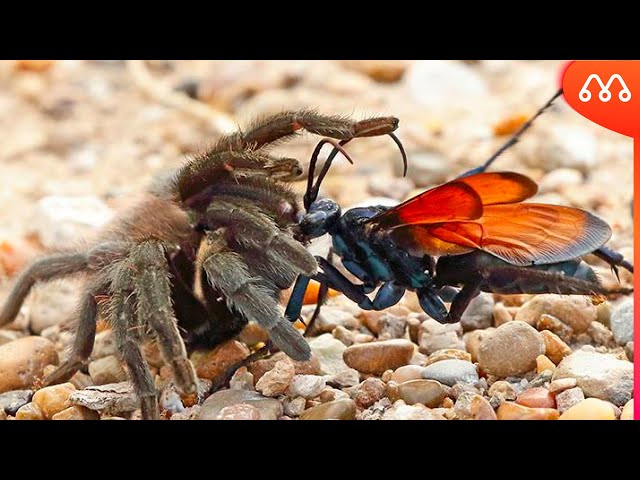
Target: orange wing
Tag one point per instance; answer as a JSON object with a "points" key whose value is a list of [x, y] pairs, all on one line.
{"points": [[458, 200], [518, 233]]}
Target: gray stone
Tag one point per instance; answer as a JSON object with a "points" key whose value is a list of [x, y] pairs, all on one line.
{"points": [[599, 375], [450, 372], [10, 402], [111, 399], [329, 352], [107, 370], [568, 398], [479, 313], [269, 408], [622, 322], [307, 386]]}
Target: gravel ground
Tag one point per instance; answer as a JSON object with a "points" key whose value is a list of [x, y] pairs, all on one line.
{"points": [[82, 138]]}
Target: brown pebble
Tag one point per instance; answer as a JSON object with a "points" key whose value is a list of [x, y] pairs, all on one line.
{"points": [[369, 392], [429, 393], [344, 409], [562, 384], [53, 399], [568, 398], [406, 373], [76, 412], [555, 348], [448, 354], [215, 362], [513, 411], [537, 398], [376, 357], [260, 367], [573, 310], [552, 324], [30, 411], [501, 315], [543, 363], [627, 411], [22, 362], [511, 349], [276, 381], [474, 339]]}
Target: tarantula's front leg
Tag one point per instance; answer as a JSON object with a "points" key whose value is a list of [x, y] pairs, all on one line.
{"points": [[44, 269], [153, 292], [129, 335], [250, 297]]}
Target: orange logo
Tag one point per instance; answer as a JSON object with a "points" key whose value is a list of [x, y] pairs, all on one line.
{"points": [[606, 92]]}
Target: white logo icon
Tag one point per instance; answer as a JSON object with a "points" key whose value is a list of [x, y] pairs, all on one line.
{"points": [[605, 94]]}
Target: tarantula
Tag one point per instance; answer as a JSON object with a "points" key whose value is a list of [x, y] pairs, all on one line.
{"points": [[209, 248]]}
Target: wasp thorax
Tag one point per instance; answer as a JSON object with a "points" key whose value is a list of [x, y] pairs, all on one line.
{"points": [[323, 215]]}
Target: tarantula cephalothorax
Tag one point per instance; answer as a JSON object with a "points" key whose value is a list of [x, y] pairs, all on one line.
{"points": [[222, 217]]}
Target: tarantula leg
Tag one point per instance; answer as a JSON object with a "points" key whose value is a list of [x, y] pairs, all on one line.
{"points": [[44, 269], [461, 301], [513, 140], [196, 178], [250, 228], [84, 337], [614, 259], [128, 330], [286, 124], [229, 274], [153, 291]]}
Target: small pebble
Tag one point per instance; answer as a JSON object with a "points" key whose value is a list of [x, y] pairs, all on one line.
{"points": [[307, 386], [501, 314], [293, 407], [573, 310], [543, 363], [555, 348], [552, 324], [568, 398], [376, 357], [268, 408], [599, 375], [628, 350], [627, 411], [23, 361], [329, 353], [53, 399], [503, 391], [537, 398], [344, 409], [479, 313], [30, 411], [215, 362], [406, 373], [622, 322], [435, 336], [10, 402], [540, 380], [110, 399], [427, 392], [402, 411], [242, 380], [590, 409], [76, 413], [471, 406], [513, 411], [562, 384], [331, 317], [392, 326], [276, 381], [309, 367], [448, 354], [369, 392], [450, 372], [511, 350]]}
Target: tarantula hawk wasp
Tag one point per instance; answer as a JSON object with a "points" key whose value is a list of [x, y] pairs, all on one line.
{"points": [[473, 232]]}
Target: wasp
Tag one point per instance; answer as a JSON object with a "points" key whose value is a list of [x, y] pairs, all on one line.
{"points": [[473, 234]]}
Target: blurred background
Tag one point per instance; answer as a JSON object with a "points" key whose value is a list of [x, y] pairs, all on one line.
{"points": [[81, 138]]}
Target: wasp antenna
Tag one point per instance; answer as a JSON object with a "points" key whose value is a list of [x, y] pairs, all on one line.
{"points": [[402, 151], [514, 138]]}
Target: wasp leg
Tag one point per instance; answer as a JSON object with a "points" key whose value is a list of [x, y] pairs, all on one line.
{"points": [[432, 304], [512, 141], [614, 259], [322, 296], [294, 307], [461, 301]]}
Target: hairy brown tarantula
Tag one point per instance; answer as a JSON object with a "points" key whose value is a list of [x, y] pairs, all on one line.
{"points": [[224, 216]]}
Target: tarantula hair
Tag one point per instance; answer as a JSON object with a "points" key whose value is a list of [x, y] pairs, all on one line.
{"points": [[205, 251]]}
